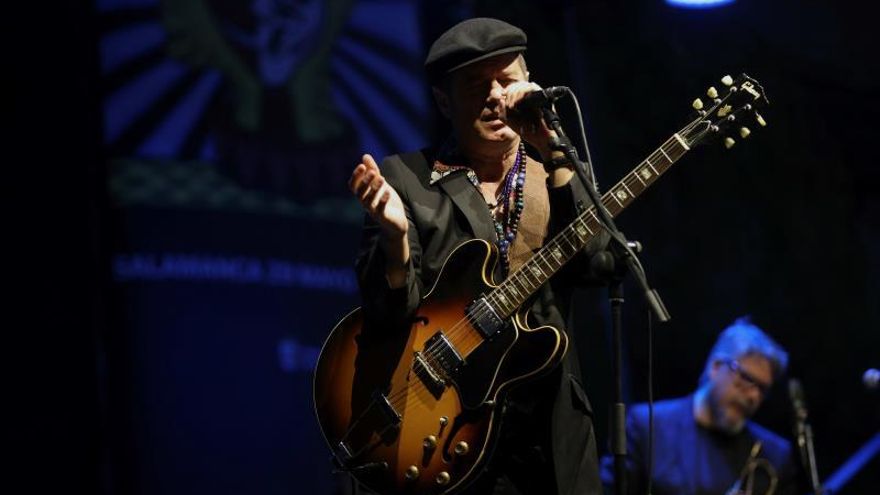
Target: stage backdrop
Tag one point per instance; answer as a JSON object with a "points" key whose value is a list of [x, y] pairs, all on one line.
{"points": [[230, 129]]}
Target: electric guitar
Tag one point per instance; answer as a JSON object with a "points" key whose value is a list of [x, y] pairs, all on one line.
{"points": [[416, 412]]}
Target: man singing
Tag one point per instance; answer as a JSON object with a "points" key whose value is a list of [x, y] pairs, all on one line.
{"points": [[481, 183]]}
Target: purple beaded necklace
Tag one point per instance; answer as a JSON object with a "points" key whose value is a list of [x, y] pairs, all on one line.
{"points": [[506, 219]]}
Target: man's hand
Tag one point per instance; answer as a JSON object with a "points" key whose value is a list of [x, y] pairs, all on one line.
{"points": [[378, 198], [529, 123], [383, 204]]}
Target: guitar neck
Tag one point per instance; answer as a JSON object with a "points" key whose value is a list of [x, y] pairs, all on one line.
{"points": [[525, 281]]}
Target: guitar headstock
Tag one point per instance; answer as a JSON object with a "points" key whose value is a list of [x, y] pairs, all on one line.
{"points": [[731, 113]]}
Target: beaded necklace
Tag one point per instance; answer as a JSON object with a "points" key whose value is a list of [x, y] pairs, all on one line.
{"points": [[506, 220]]}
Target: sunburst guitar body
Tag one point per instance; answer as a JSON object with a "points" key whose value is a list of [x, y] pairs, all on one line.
{"points": [[416, 412]]}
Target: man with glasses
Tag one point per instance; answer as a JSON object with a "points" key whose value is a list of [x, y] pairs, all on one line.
{"points": [[705, 443]]}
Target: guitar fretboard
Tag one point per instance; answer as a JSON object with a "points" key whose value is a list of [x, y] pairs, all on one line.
{"points": [[521, 284]]}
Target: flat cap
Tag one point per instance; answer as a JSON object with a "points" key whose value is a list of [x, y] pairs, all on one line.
{"points": [[469, 42]]}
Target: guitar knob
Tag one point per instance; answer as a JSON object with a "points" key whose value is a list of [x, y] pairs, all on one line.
{"points": [[412, 473], [727, 80], [430, 442], [712, 92], [442, 478], [744, 132], [443, 420], [697, 104], [760, 120], [461, 448], [729, 142]]}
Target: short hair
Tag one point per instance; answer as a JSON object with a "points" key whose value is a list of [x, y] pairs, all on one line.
{"points": [[743, 338]]}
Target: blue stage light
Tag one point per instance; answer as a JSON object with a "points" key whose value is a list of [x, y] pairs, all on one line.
{"points": [[698, 4]]}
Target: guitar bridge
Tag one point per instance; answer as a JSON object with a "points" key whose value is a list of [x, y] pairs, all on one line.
{"points": [[437, 363], [423, 369]]}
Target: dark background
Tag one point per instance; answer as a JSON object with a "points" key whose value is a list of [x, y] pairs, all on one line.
{"points": [[136, 381]]}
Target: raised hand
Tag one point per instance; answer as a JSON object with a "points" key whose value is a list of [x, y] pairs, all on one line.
{"points": [[378, 198], [383, 204]]}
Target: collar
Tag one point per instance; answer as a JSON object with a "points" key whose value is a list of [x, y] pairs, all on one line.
{"points": [[448, 161]]}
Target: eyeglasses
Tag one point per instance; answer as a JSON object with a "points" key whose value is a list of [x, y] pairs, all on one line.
{"points": [[748, 379]]}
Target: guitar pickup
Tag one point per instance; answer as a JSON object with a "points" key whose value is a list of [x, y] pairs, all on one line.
{"points": [[484, 318], [442, 355]]}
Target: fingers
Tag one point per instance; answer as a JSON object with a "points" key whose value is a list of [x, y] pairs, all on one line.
{"points": [[355, 178], [358, 175], [514, 93], [368, 161], [374, 190], [522, 121], [368, 185], [381, 201]]}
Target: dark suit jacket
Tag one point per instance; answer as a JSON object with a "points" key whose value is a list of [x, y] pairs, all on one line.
{"points": [[692, 460], [554, 408]]}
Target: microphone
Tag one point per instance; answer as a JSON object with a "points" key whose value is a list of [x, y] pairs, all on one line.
{"points": [[543, 97], [796, 394], [871, 378]]}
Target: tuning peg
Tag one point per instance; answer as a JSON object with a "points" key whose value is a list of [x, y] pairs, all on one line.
{"points": [[760, 120], [712, 92], [729, 142], [727, 80], [697, 104], [744, 132]]}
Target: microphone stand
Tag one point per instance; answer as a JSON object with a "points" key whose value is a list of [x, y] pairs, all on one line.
{"points": [[808, 453], [811, 460], [804, 437], [621, 250], [619, 245]]}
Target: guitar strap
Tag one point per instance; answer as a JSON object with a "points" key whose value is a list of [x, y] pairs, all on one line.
{"points": [[534, 223]]}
